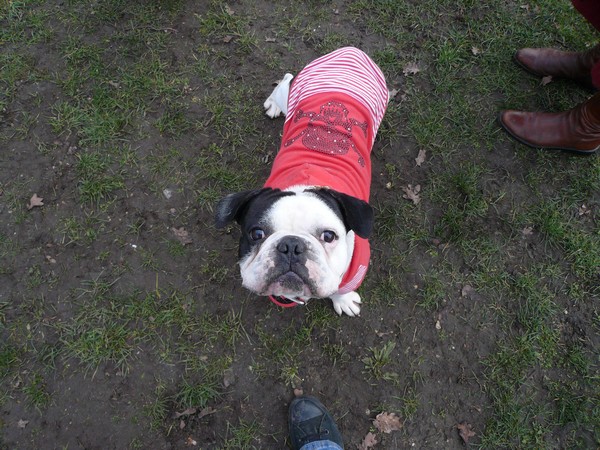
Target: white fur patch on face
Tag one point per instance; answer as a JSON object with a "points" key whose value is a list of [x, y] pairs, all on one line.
{"points": [[306, 217]]}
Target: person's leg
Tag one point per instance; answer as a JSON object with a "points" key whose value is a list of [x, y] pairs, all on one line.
{"points": [[312, 427], [577, 66], [582, 67], [576, 130], [590, 9], [321, 445]]}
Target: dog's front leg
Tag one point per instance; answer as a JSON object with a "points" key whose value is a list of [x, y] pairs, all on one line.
{"points": [[346, 303], [278, 100]]}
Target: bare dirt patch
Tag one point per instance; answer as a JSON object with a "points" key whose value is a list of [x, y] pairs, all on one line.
{"points": [[123, 323]]}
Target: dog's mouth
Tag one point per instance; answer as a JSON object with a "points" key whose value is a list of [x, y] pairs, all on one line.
{"points": [[291, 284]]}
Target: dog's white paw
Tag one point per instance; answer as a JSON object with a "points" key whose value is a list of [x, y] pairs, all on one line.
{"points": [[277, 101], [271, 108], [347, 303]]}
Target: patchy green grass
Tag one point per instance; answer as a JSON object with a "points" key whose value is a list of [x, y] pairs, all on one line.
{"points": [[131, 120], [379, 358]]}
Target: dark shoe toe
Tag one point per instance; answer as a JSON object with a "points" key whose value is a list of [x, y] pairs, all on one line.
{"points": [[310, 421]]}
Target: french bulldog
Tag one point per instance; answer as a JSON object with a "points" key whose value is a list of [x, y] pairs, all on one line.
{"points": [[304, 234]]}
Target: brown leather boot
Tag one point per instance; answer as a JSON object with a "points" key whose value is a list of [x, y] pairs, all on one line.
{"points": [[576, 66], [576, 130]]}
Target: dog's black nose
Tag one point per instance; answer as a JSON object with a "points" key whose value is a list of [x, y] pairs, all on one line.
{"points": [[291, 246]]}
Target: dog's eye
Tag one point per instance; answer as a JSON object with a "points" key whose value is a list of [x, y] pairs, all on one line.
{"points": [[328, 236], [256, 234]]}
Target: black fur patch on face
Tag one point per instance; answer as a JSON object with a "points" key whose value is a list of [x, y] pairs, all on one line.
{"points": [[356, 214], [248, 208]]}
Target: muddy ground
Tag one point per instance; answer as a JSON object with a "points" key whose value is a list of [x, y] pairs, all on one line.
{"points": [[131, 119]]}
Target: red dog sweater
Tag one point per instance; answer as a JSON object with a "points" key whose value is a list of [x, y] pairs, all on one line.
{"points": [[335, 107]]}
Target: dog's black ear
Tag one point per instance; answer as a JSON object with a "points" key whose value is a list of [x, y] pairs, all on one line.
{"points": [[231, 207], [356, 213]]}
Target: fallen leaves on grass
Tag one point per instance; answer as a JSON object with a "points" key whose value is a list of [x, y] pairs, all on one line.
{"points": [[420, 159], [476, 51], [187, 412], [191, 442], [412, 193], [206, 412], [584, 210], [368, 442], [411, 69], [190, 411], [465, 431], [182, 235], [387, 422], [22, 423], [527, 231], [466, 290], [546, 80], [35, 201], [298, 392], [228, 378]]}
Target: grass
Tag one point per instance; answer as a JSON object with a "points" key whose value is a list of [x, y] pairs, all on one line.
{"points": [[36, 392], [380, 357], [96, 181], [241, 436], [196, 395], [481, 301]]}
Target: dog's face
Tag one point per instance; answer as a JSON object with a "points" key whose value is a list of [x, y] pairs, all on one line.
{"points": [[297, 242]]}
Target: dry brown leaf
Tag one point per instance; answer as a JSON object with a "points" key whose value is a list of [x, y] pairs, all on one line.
{"points": [[368, 442], [206, 412], [229, 10], [420, 159], [35, 201], [527, 231], [387, 422], [22, 423], [465, 431], [476, 51], [270, 39], [393, 93], [181, 424], [411, 69], [546, 80], [228, 378], [412, 193], [584, 210], [187, 412], [190, 442], [227, 39], [182, 235], [298, 392], [466, 290]]}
